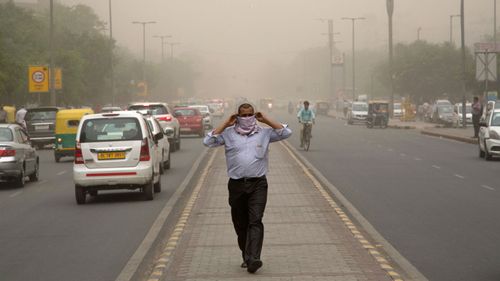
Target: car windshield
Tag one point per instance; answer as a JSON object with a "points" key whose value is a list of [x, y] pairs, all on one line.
{"points": [[202, 109], [41, 115], [156, 109], [397, 106], [359, 107], [445, 109], [6, 134], [468, 109], [114, 129], [495, 120], [186, 112]]}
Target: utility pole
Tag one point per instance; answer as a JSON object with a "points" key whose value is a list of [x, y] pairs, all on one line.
{"points": [[162, 38], [354, 55], [52, 69], [144, 23], [390, 12], [495, 23], [464, 67], [111, 66], [451, 26], [172, 44], [418, 33], [331, 46]]}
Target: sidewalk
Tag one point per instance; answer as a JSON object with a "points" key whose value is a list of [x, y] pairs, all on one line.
{"points": [[307, 236], [430, 129]]}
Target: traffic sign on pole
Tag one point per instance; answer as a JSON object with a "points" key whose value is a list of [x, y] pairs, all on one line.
{"points": [[58, 83], [38, 79], [486, 66]]}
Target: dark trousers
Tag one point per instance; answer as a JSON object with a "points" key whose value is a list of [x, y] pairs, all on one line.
{"points": [[247, 199], [475, 123]]}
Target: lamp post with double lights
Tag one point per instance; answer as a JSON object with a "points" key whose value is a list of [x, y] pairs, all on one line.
{"points": [[331, 46], [353, 20], [172, 44], [144, 23]]}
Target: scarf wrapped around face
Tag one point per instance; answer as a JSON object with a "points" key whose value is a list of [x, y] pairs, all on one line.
{"points": [[246, 125]]}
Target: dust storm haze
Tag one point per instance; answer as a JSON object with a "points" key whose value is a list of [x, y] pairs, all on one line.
{"points": [[233, 41]]}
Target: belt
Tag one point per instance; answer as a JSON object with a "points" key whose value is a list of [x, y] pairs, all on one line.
{"points": [[249, 179]]}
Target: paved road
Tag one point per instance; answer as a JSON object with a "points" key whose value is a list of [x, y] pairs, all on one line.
{"points": [[435, 200], [45, 235]]}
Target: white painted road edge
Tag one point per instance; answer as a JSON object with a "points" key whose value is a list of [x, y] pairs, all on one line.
{"points": [[413, 274], [133, 264]]}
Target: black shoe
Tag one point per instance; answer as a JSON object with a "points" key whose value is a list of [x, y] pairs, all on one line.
{"points": [[254, 266], [244, 264]]}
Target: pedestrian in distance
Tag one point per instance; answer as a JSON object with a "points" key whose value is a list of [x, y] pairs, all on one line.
{"points": [[247, 147], [477, 112], [3, 115], [20, 115]]}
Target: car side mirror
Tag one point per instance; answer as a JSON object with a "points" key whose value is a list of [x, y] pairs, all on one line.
{"points": [[169, 132]]}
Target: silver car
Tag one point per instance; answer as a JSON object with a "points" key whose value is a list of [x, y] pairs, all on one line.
{"points": [[18, 159]]}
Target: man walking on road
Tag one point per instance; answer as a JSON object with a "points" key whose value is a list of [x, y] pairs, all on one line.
{"points": [[477, 111], [247, 147]]}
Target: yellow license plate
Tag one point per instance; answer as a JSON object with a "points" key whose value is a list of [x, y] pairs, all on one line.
{"points": [[110, 155]]}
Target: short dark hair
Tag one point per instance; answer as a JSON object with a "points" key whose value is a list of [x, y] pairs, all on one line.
{"points": [[245, 106], [306, 102], [476, 98]]}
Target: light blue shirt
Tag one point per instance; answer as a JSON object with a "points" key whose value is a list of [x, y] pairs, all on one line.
{"points": [[247, 155], [306, 115]]}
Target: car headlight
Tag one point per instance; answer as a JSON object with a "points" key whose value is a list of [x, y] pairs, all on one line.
{"points": [[59, 140], [494, 135]]}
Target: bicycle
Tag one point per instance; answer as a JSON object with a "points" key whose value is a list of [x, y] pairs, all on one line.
{"points": [[306, 134]]}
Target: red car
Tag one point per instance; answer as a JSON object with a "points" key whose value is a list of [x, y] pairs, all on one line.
{"points": [[190, 121]]}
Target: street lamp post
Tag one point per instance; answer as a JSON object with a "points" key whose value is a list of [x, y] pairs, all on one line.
{"points": [[52, 75], [353, 20], [331, 46], [390, 13], [495, 23], [451, 26], [144, 23], [111, 66], [418, 33], [464, 67], [162, 38], [172, 44]]}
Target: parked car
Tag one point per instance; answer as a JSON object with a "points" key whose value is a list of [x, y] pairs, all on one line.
{"points": [[444, 114], [468, 112], [163, 113], [489, 135], [18, 158], [207, 118], [357, 113], [191, 121], [41, 124], [163, 144], [217, 109], [116, 151], [398, 110]]}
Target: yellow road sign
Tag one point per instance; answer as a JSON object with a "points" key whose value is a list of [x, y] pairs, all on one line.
{"points": [[38, 79], [58, 82]]}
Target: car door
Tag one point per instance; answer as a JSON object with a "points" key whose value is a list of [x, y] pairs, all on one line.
{"points": [[25, 151]]}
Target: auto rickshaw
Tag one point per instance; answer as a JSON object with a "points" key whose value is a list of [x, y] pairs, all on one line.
{"points": [[11, 113], [378, 114], [67, 121]]}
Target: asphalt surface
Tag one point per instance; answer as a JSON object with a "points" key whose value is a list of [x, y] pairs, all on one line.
{"points": [[45, 235], [433, 199]]}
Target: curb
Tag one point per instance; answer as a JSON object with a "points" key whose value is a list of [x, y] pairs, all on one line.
{"points": [[411, 272], [446, 136]]}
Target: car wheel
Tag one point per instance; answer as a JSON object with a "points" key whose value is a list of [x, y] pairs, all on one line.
{"points": [[57, 158], [167, 165], [20, 181], [147, 190], [80, 194], [178, 143], [157, 186], [172, 143], [36, 174], [162, 170], [487, 155]]}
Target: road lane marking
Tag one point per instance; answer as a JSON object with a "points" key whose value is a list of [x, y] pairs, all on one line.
{"points": [[383, 263], [459, 176], [436, 167], [15, 194], [402, 155], [418, 159], [41, 182], [390, 149], [62, 173], [488, 187]]}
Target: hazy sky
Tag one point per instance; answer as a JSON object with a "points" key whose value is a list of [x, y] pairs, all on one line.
{"points": [[241, 35]]}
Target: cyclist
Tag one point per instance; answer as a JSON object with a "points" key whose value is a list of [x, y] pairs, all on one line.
{"points": [[305, 115]]}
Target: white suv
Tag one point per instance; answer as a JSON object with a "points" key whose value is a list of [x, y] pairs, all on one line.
{"points": [[163, 144], [162, 112], [489, 135], [115, 151]]}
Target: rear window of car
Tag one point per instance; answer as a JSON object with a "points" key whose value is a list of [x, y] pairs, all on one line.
{"points": [[156, 109], [495, 120], [111, 129], [33, 115], [186, 112], [6, 134]]}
